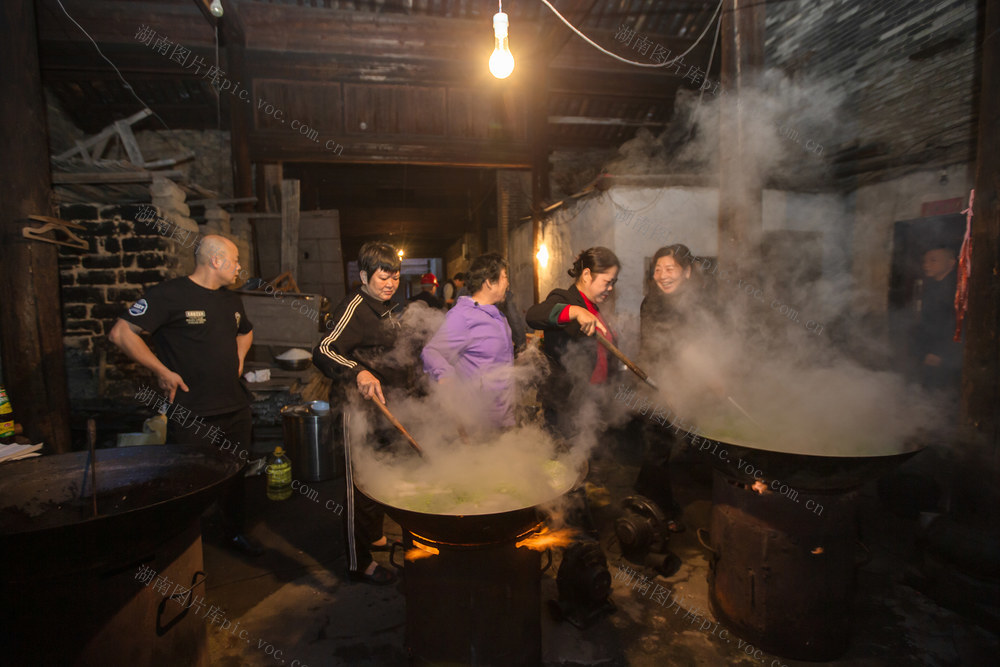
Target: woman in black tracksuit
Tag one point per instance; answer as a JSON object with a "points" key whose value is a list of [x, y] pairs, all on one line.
{"points": [[364, 328]]}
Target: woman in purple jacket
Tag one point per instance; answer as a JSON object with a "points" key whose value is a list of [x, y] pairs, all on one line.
{"points": [[474, 344]]}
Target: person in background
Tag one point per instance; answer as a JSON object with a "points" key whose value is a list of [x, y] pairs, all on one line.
{"points": [[351, 354], [474, 344], [452, 288], [202, 335], [668, 317], [428, 292], [938, 355], [568, 317]]}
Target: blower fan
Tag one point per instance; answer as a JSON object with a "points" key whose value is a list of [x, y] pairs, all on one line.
{"points": [[644, 536], [584, 584]]}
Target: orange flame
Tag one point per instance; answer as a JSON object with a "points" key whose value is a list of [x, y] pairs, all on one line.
{"points": [[759, 486], [421, 551], [545, 539], [817, 551]]}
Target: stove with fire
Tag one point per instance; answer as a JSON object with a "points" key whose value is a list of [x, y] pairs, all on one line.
{"points": [[784, 550], [472, 582]]}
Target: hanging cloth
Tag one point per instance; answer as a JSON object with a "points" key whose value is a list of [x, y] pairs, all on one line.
{"points": [[964, 270]]}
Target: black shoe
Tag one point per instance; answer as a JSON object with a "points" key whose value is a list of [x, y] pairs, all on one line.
{"points": [[245, 545], [380, 577]]}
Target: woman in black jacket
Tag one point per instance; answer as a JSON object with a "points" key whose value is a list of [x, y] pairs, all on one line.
{"points": [[668, 316], [362, 331], [568, 317]]}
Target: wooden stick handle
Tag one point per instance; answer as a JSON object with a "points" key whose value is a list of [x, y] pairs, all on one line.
{"points": [[625, 360], [395, 422]]}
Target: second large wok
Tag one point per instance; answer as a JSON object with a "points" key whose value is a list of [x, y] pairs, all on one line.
{"points": [[803, 471]]}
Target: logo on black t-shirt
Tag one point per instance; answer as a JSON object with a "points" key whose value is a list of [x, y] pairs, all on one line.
{"points": [[237, 320], [195, 316], [138, 308]]}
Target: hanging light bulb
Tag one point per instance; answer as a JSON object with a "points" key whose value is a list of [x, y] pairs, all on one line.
{"points": [[501, 62], [400, 253], [215, 8], [542, 256]]}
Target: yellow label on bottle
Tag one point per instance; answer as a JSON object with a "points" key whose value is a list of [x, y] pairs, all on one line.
{"points": [[279, 475]]}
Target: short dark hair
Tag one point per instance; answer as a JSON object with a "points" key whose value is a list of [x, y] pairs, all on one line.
{"points": [[460, 276], [375, 256], [483, 268], [680, 252], [952, 253], [598, 259]]}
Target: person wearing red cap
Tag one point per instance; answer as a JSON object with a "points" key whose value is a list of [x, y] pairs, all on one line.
{"points": [[428, 292]]}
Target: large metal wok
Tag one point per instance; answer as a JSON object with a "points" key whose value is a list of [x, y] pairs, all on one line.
{"points": [[474, 528], [808, 472], [146, 496]]}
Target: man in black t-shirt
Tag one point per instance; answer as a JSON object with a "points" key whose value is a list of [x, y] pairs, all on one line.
{"points": [[202, 335]]}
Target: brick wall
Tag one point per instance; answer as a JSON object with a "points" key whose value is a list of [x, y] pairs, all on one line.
{"points": [[908, 69], [124, 259]]}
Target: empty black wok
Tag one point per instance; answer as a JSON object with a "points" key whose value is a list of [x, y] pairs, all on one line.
{"points": [[146, 496]]}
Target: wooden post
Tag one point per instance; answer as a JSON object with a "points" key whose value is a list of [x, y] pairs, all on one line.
{"points": [[740, 194], [981, 366], [34, 365], [290, 227], [240, 113]]}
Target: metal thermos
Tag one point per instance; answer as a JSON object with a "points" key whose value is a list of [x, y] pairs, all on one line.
{"points": [[309, 440]]}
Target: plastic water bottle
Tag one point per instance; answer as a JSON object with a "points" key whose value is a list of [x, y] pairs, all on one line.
{"points": [[279, 475]]}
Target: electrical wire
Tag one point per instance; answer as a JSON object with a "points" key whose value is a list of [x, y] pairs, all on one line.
{"points": [[711, 57], [626, 60], [127, 85]]}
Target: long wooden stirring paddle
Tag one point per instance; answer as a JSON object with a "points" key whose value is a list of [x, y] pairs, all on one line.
{"points": [[633, 367], [395, 422], [625, 360]]}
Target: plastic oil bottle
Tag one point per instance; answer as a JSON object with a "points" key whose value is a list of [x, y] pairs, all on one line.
{"points": [[6, 418], [279, 475]]}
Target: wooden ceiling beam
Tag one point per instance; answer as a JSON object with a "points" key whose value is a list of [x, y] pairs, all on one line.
{"points": [[118, 22], [286, 146], [418, 222]]}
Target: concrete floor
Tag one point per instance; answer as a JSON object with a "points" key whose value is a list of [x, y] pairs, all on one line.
{"points": [[294, 599]]}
